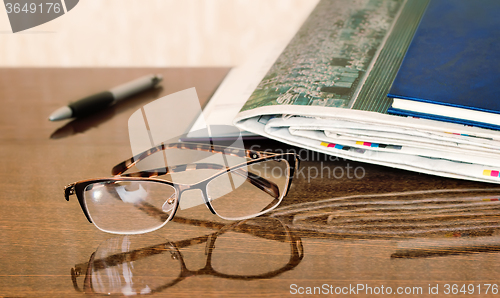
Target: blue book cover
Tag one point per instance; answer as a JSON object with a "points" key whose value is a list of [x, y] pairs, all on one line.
{"points": [[454, 60]]}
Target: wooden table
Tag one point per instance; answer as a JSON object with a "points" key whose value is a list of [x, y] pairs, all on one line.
{"points": [[377, 231]]}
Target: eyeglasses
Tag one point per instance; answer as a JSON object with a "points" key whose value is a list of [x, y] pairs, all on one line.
{"points": [[134, 264], [140, 202]]}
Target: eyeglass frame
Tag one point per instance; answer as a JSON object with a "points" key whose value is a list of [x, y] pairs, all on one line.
{"points": [[292, 160]]}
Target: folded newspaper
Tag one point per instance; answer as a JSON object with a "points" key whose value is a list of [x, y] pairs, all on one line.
{"points": [[327, 91]]}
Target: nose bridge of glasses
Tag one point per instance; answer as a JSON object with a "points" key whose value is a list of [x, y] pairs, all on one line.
{"points": [[188, 199]]}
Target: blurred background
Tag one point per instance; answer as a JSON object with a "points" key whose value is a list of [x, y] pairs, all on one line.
{"points": [[156, 33]]}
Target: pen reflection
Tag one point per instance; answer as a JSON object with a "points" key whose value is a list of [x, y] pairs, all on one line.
{"points": [[143, 264], [81, 125]]}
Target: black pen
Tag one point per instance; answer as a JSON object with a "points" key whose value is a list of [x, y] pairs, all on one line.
{"points": [[104, 99]]}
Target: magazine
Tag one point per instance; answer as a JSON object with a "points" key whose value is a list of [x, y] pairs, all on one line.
{"points": [[327, 91]]}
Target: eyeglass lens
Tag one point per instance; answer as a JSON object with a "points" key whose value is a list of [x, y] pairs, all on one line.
{"points": [[249, 191], [126, 207]]}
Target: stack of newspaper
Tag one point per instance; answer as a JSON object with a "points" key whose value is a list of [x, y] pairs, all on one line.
{"points": [[327, 91]]}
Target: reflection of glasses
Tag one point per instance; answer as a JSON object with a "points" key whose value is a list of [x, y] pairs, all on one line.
{"points": [[112, 269], [137, 203]]}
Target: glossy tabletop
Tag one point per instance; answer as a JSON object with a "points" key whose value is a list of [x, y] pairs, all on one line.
{"points": [[345, 227]]}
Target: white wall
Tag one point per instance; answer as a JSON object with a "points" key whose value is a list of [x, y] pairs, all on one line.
{"points": [[153, 33]]}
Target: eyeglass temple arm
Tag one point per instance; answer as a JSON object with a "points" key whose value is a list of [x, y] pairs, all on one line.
{"points": [[127, 164], [263, 184]]}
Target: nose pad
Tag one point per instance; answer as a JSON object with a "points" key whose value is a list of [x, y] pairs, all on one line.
{"points": [[169, 204]]}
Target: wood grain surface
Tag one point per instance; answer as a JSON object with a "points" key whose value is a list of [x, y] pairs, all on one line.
{"points": [[343, 224]]}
